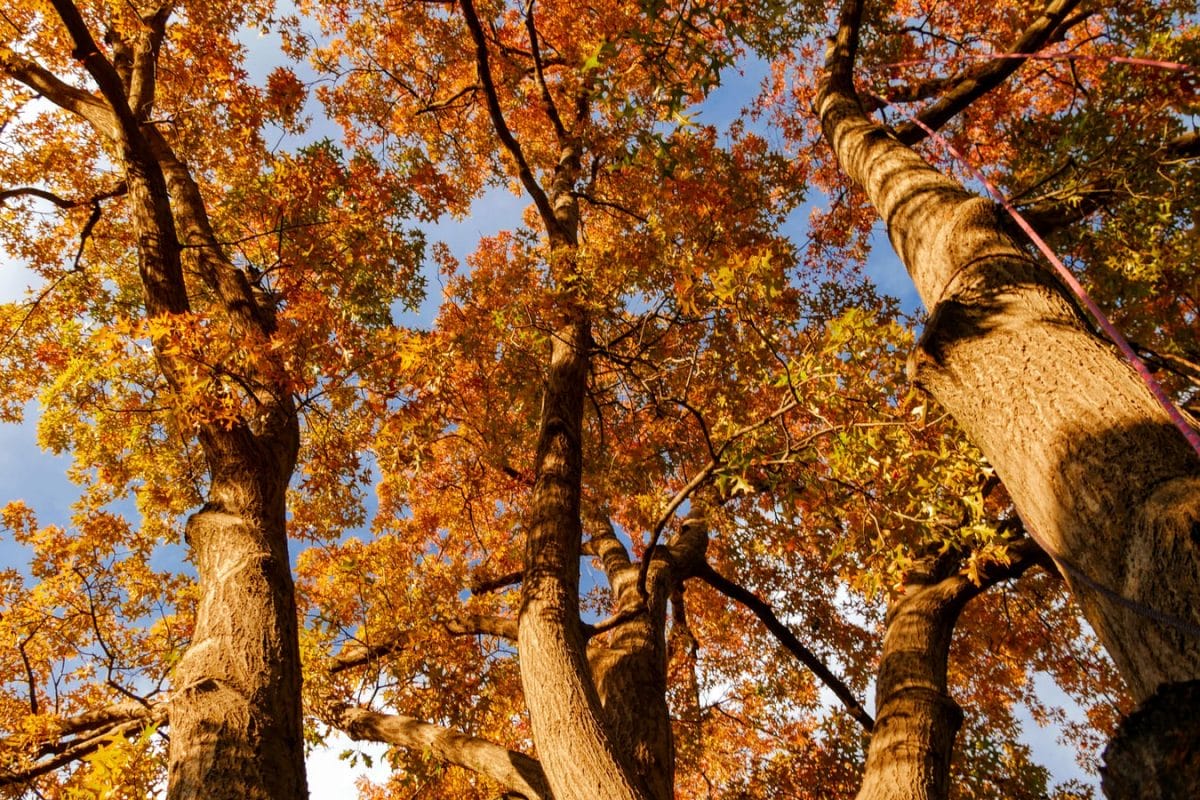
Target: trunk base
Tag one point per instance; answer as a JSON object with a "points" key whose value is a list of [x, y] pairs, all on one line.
{"points": [[1155, 754]]}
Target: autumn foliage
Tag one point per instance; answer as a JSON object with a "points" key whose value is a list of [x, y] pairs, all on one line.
{"points": [[635, 487]]}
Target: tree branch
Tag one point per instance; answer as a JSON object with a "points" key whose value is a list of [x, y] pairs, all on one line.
{"points": [[67, 97], [100, 68], [545, 209], [356, 653], [989, 74], [438, 105], [252, 317], [482, 585], [514, 770], [1054, 211], [480, 625], [89, 731], [766, 615], [143, 84], [614, 558], [539, 72], [698, 480]]}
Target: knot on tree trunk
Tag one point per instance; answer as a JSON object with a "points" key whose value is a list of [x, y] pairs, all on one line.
{"points": [[1155, 754]]}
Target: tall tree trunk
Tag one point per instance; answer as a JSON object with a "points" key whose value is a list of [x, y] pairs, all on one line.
{"points": [[1092, 462], [235, 718], [236, 724], [235, 712], [577, 751]]}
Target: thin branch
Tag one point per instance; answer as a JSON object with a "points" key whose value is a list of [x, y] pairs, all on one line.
{"points": [[698, 480], [29, 676], [101, 726], [62, 202], [544, 207], [41, 194], [766, 615], [601, 203], [1054, 211], [438, 105], [620, 618], [539, 72]]}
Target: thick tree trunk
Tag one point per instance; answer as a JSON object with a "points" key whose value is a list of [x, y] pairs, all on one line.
{"points": [[916, 720], [235, 712], [630, 676], [234, 715], [577, 752], [235, 718], [1155, 754], [236, 725], [1094, 466]]}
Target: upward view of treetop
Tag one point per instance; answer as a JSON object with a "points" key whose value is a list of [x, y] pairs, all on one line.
{"points": [[665, 499]]}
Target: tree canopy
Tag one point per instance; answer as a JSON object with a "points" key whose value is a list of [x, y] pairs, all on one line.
{"points": [[666, 489]]}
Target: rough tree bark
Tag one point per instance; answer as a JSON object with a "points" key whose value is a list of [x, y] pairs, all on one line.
{"points": [[234, 714], [629, 663], [1095, 468], [578, 752], [576, 747], [916, 719]]}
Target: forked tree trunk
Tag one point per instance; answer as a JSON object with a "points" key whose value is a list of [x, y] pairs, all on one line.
{"points": [[916, 719], [1095, 468], [629, 668], [234, 715], [577, 751], [235, 718]]}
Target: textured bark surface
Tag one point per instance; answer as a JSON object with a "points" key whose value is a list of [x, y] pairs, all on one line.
{"points": [[916, 720], [235, 712], [629, 665], [1092, 462], [1155, 754], [577, 752]]}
